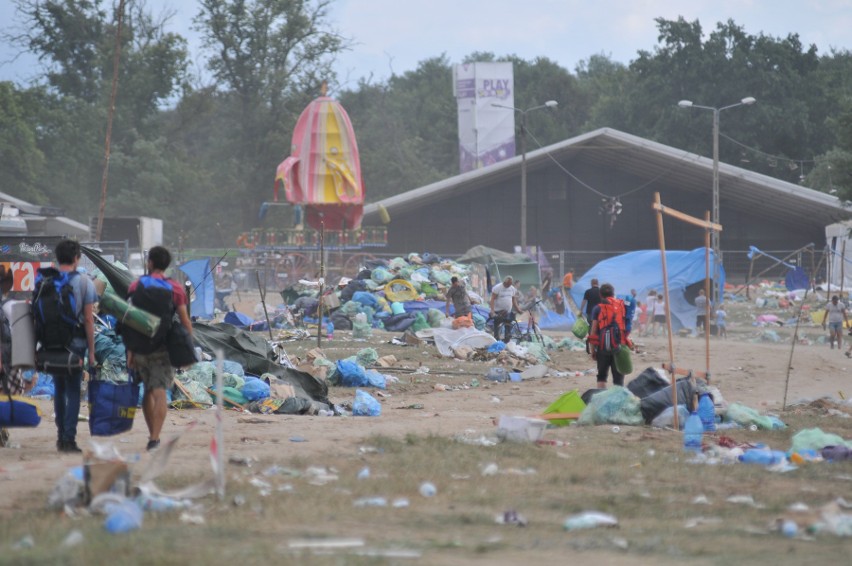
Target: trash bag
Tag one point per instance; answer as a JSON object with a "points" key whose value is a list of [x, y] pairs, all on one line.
{"points": [[589, 393], [623, 361], [666, 418], [434, 317], [375, 379], [201, 373], [478, 321], [255, 389], [361, 331], [616, 405], [196, 391], [400, 290], [746, 416], [419, 323], [341, 321], [365, 298], [381, 275], [365, 405], [441, 276], [367, 356], [647, 383], [538, 351], [353, 287], [656, 403], [580, 328], [234, 381], [816, 439], [229, 366], [350, 374], [569, 402]]}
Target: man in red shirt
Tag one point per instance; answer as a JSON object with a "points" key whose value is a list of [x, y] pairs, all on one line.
{"points": [[151, 362]]}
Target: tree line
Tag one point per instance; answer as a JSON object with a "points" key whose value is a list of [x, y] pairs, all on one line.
{"points": [[201, 152]]}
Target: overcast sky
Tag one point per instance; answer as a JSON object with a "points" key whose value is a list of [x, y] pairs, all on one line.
{"points": [[394, 35]]}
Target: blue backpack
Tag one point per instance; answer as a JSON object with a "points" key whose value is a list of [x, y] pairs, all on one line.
{"points": [[155, 296], [55, 308]]}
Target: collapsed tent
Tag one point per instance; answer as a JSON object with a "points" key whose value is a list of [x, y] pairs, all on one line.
{"points": [[643, 271], [254, 353], [502, 264]]}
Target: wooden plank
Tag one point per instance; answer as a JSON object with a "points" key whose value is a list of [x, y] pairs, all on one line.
{"points": [[225, 399], [687, 218], [556, 416], [685, 372]]}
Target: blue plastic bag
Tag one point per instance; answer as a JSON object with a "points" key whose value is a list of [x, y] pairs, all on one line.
{"points": [[375, 379], [350, 374], [365, 298], [230, 366], [365, 405], [255, 389], [496, 347]]}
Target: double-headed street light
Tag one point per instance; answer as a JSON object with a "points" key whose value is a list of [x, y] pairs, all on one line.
{"points": [[717, 260], [523, 113]]}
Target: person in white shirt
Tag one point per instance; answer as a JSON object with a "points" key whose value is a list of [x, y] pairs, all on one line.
{"points": [[503, 306], [835, 313]]}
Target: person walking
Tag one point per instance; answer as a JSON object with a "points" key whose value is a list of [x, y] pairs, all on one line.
{"points": [[835, 314], [607, 334], [701, 321], [147, 357], [659, 314], [60, 330], [591, 299], [721, 325]]}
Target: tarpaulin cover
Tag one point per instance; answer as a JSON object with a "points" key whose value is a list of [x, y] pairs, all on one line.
{"points": [[254, 353], [643, 271], [203, 288]]}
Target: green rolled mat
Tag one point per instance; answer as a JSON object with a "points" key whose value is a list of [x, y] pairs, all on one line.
{"points": [[623, 361], [135, 318]]}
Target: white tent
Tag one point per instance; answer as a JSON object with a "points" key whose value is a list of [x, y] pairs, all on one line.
{"points": [[839, 264]]}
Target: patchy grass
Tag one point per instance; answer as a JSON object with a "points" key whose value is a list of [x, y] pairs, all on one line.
{"points": [[639, 475]]}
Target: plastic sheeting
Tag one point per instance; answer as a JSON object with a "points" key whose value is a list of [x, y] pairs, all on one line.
{"points": [[447, 339], [643, 271]]}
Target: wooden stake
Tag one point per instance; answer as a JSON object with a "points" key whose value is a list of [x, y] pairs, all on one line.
{"points": [[662, 238], [321, 282], [707, 293]]}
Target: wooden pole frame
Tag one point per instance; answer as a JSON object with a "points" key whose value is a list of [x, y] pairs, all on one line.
{"points": [[709, 227]]}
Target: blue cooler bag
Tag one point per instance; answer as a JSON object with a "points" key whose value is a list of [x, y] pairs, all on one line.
{"points": [[112, 407]]}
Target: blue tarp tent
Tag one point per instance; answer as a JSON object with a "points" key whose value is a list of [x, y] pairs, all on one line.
{"points": [[643, 271], [203, 292]]}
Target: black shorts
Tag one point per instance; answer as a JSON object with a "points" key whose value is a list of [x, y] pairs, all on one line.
{"points": [[699, 320], [659, 318]]}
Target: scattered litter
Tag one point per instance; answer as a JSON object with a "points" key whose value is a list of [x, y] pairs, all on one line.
{"points": [[428, 489], [589, 520], [745, 500], [74, 538], [511, 517], [371, 502], [701, 500], [697, 521], [192, 518]]}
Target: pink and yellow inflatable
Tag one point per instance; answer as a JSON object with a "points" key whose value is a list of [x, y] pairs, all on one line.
{"points": [[323, 171]]}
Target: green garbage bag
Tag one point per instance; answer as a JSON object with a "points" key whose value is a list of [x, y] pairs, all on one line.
{"points": [[580, 328], [434, 317], [623, 361], [420, 323]]}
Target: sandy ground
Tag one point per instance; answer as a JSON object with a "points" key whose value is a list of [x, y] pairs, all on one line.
{"points": [[754, 374]]}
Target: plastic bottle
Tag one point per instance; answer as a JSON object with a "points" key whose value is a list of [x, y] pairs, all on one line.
{"points": [[763, 457], [329, 330], [123, 517], [707, 412], [692, 431]]}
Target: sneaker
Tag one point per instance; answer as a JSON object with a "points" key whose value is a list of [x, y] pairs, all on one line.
{"points": [[152, 445]]}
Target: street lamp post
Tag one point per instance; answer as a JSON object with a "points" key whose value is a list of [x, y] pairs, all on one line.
{"points": [[714, 235], [523, 113]]}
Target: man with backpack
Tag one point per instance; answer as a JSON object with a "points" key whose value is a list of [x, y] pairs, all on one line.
{"points": [[148, 356], [607, 334], [63, 302]]}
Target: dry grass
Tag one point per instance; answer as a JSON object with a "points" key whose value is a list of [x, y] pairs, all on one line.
{"points": [[638, 475]]}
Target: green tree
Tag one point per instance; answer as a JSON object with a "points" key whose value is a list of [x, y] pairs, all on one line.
{"points": [[21, 161], [269, 58]]}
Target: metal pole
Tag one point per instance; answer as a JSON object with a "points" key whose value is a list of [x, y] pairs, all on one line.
{"points": [[523, 181], [717, 259]]}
